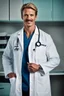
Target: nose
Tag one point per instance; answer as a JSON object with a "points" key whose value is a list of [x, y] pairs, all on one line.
{"points": [[28, 17]]}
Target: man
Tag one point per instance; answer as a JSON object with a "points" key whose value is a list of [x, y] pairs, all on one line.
{"points": [[29, 57]]}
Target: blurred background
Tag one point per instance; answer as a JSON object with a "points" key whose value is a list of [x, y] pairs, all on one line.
{"points": [[50, 19]]}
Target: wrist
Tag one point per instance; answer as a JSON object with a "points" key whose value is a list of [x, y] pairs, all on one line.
{"points": [[40, 68], [11, 75]]}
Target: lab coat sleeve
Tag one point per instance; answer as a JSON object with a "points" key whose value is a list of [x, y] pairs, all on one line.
{"points": [[52, 55], [7, 58]]}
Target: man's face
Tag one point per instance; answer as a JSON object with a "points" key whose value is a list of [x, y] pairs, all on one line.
{"points": [[29, 17]]}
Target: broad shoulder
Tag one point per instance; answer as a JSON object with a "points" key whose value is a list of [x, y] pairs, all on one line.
{"points": [[14, 35], [44, 35]]}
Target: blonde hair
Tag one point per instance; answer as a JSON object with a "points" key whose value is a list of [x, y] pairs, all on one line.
{"points": [[29, 5]]}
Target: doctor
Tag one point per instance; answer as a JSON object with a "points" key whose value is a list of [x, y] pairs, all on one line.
{"points": [[29, 57]]}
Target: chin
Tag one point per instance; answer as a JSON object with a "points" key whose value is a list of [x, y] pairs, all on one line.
{"points": [[29, 25]]}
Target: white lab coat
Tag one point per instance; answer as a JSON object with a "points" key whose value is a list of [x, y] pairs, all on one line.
{"points": [[47, 56]]}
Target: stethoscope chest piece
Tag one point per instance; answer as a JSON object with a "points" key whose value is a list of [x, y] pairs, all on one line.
{"points": [[38, 44]]}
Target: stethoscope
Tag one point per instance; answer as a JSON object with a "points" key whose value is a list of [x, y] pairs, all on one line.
{"points": [[17, 47], [37, 43]]}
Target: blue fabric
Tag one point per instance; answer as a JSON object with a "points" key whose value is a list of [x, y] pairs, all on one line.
{"points": [[25, 59]]}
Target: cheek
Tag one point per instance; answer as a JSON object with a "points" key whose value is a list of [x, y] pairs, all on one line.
{"points": [[24, 19], [33, 19]]}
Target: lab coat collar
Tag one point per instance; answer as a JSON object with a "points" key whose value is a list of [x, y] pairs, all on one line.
{"points": [[20, 36], [21, 31], [36, 30]]}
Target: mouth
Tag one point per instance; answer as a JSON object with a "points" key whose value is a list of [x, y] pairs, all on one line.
{"points": [[28, 21]]}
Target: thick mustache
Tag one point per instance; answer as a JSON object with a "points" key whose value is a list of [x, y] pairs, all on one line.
{"points": [[28, 20]]}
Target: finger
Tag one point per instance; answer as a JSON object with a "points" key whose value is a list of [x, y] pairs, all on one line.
{"points": [[29, 64], [31, 69]]}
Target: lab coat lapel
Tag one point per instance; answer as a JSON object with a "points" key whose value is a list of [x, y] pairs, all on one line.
{"points": [[20, 36], [19, 53], [31, 54], [33, 40], [32, 45]]}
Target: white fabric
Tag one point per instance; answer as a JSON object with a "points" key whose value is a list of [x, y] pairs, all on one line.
{"points": [[47, 56]]}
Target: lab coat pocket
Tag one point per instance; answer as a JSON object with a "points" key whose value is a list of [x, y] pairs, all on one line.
{"points": [[43, 84], [12, 79], [41, 54], [13, 84]]}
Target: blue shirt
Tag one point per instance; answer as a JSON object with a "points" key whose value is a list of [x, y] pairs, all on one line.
{"points": [[25, 59]]}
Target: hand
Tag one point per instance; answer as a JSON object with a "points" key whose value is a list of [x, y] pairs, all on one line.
{"points": [[11, 75], [32, 67]]}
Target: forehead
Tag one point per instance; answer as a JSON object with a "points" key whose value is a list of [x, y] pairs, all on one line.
{"points": [[28, 11]]}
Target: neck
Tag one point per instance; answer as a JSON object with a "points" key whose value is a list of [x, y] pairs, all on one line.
{"points": [[29, 30]]}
